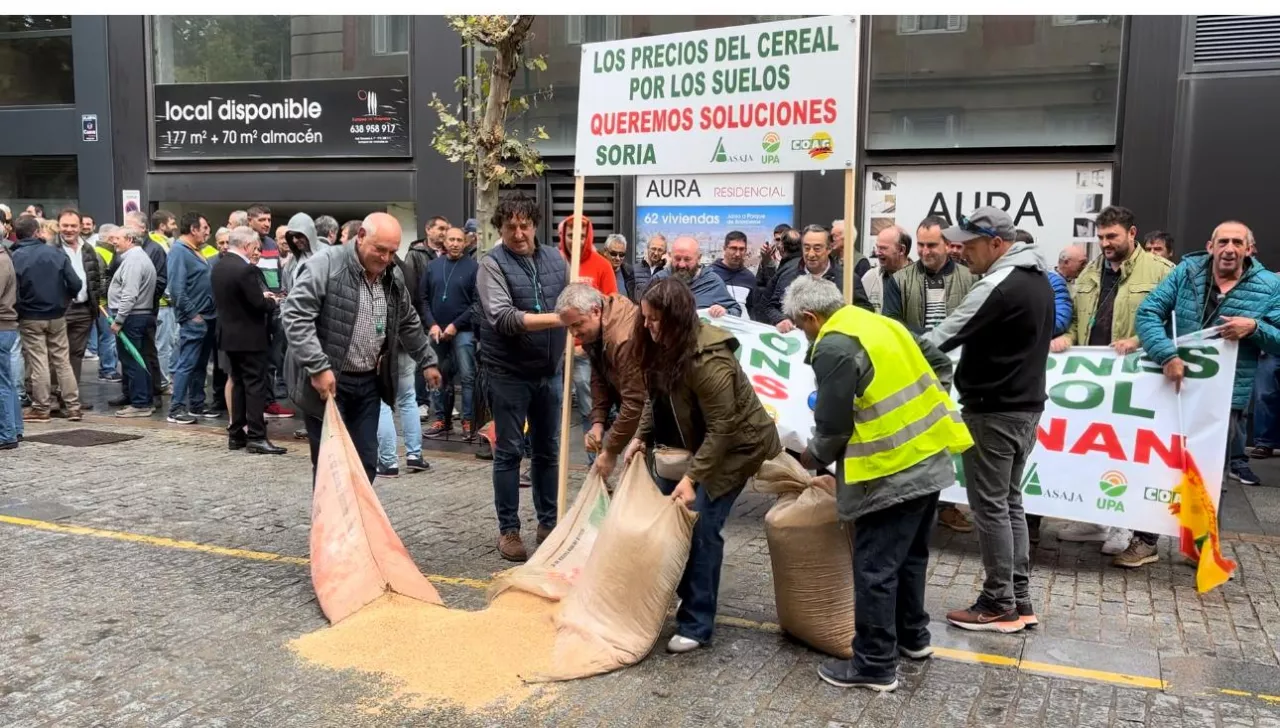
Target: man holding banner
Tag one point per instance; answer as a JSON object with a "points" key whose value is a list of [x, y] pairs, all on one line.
{"points": [[1226, 287], [1005, 325]]}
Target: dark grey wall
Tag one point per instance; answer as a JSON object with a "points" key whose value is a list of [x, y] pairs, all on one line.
{"points": [[127, 59], [439, 185]]}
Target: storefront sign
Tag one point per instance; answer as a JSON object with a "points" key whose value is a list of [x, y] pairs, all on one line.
{"points": [[1107, 450], [341, 117], [1056, 203], [769, 97], [709, 206], [88, 127]]}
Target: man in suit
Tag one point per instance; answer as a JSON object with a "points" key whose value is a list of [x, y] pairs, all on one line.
{"points": [[244, 309]]}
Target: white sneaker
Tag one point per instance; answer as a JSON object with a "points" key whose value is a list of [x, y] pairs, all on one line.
{"points": [[1117, 541], [424, 412], [1080, 532], [679, 645]]}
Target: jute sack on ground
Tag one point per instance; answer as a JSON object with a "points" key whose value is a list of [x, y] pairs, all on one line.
{"points": [[812, 560], [612, 617], [558, 562], [356, 556]]}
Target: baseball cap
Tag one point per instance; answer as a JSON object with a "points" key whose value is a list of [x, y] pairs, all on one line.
{"points": [[469, 226], [991, 222]]}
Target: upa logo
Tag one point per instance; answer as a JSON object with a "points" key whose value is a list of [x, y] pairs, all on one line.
{"points": [[819, 146], [1113, 484], [771, 144]]}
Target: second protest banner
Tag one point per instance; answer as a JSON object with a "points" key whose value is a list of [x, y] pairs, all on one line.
{"points": [[1108, 447]]}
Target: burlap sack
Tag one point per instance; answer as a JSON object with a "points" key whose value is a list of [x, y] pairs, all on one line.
{"points": [[356, 556], [811, 555], [558, 562], [612, 617]]}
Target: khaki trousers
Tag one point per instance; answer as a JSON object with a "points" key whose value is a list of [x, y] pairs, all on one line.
{"points": [[44, 345]]}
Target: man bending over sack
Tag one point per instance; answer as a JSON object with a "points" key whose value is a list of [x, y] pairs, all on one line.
{"points": [[883, 412]]}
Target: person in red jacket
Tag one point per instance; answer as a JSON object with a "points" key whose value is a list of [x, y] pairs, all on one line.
{"points": [[595, 269]]}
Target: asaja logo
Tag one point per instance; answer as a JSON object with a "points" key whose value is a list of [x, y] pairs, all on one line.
{"points": [[771, 144], [721, 156], [1031, 481], [1113, 484], [1031, 485], [819, 146]]}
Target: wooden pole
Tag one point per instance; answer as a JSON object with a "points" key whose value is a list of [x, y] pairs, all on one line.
{"points": [[575, 259], [850, 236]]}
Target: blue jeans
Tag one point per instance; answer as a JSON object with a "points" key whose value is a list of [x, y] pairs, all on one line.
{"points": [[17, 368], [106, 349], [1266, 403], [166, 342], [514, 401], [195, 345], [457, 356], [10, 410], [91, 346], [582, 393], [407, 408], [699, 587], [137, 380]]}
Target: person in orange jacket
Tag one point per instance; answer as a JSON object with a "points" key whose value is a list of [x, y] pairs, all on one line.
{"points": [[595, 269]]}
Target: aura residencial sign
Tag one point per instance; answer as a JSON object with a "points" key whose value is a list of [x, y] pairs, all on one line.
{"points": [[772, 97], [342, 117]]}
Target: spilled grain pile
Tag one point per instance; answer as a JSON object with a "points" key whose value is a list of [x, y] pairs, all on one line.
{"points": [[438, 656]]}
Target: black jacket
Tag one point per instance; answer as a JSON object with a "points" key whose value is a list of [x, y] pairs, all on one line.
{"points": [[772, 309], [414, 267], [243, 312]]}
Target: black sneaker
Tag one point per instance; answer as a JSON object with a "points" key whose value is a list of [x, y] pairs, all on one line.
{"points": [[181, 418], [109, 378], [841, 674], [391, 472], [120, 401], [1244, 474], [205, 414], [416, 464]]}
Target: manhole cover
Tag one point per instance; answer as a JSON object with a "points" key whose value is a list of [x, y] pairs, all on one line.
{"points": [[81, 438]]}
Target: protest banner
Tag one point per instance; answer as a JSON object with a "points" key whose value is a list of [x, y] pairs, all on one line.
{"points": [[1108, 449]]}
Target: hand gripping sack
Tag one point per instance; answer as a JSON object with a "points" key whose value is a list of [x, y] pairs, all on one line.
{"points": [[356, 556], [811, 555], [612, 617], [557, 564]]}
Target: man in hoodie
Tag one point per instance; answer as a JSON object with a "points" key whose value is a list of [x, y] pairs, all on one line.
{"points": [[191, 298], [300, 239], [709, 291], [47, 282], [1005, 325], [732, 269], [815, 261], [448, 296]]}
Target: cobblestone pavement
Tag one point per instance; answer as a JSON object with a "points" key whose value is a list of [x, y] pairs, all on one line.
{"points": [[104, 631]]}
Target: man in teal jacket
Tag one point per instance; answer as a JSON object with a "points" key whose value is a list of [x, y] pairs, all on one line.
{"points": [[1224, 286]]}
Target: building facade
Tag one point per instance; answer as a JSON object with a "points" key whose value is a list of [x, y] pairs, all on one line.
{"points": [[1052, 116]]}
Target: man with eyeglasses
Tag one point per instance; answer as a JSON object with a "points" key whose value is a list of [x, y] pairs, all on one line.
{"points": [[732, 269], [615, 246], [815, 261], [1223, 286], [655, 259], [1005, 325]]}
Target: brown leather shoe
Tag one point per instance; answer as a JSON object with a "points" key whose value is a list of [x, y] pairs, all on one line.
{"points": [[31, 415], [511, 548], [75, 415], [543, 532]]}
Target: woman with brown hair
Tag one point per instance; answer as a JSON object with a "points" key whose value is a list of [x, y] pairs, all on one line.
{"points": [[708, 432]]}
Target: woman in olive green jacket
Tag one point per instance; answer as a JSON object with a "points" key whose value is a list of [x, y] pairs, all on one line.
{"points": [[701, 401]]}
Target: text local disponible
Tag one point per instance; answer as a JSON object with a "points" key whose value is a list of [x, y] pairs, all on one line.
{"points": [[232, 110]]}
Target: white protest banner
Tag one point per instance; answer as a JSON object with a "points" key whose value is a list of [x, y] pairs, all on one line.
{"points": [[777, 97], [1108, 449]]}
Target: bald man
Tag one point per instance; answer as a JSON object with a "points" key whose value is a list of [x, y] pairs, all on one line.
{"points": [[709, 290], [1071, 261], [346, 320], [893, 246]]}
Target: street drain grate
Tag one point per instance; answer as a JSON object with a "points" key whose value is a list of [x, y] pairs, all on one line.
{"points": [[81, 438]]}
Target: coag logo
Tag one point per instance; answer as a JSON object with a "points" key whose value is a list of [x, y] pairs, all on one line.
{"points": [[721, 156], [1113, 484], [819, 146], [771, 144], [1160, 495]]}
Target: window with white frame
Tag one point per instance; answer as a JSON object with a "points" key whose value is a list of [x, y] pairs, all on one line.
{"points": [[390, 34], [917, 24], [581, 29], [1080, 19]]}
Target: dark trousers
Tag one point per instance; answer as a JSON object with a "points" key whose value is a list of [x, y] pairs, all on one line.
{"points": [[248, 395], [699, 588], [219, 383], [136, 379], [359, 406], [890, 561], [515, 401], [151, 356], [275, 385]]}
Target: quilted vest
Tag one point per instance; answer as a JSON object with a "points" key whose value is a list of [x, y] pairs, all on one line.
{"points": [[529, 355]]}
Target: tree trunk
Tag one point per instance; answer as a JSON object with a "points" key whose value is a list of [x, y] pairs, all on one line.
{"points": [[502, 72]]}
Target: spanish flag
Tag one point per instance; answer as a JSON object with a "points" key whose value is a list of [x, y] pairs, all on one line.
{"points": [[1199, 527]]}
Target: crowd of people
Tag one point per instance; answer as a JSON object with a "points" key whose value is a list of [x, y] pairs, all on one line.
{"points": [[327, 312]]}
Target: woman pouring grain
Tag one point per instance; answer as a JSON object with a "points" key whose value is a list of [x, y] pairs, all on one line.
{"points": [[708, 432]]}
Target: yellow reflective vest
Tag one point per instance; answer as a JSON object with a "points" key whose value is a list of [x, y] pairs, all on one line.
{"points": [[904, 416]]}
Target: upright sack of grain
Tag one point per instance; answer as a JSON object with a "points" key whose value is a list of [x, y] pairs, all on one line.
{"points": [[356, 556], [612, 617], [558, 562], [811, 555]]}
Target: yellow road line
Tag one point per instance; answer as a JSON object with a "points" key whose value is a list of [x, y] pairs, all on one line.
{"points": [[1042, 668]]}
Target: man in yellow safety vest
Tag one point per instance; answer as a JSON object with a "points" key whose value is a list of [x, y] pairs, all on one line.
{"points": [[884, 417]]}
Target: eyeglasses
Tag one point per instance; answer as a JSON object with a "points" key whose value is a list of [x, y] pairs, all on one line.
{"points": [[617, 253], [970, 226]]}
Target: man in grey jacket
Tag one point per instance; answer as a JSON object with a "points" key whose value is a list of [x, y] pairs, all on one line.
{"points": [[891, 507], [345, 320], [131, 304]]}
